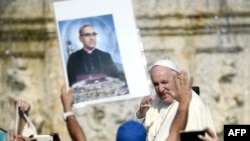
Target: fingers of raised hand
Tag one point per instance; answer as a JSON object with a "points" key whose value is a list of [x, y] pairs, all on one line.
{"points": [[183, 76], [147, 100], [183, 86], [146, 103], [22, 105], [210, 132], [203, 138], [66, 90], [191, 82], [183, 79], [63, 89], [179, 80]]}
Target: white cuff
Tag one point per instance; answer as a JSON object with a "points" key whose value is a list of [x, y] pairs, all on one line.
{"points": [[141, 120], [65, 115]]}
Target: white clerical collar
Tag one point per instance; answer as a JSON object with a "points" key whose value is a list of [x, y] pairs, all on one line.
{"points": [[89, 51]]}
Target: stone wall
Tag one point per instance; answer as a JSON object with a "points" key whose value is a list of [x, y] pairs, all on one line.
{"points": [[208, 37]]}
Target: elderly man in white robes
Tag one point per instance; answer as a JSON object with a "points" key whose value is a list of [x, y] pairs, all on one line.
{"points": [[157, 112]]}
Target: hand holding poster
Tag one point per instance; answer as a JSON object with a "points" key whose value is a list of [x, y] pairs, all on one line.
{"points": [[100, 49]]}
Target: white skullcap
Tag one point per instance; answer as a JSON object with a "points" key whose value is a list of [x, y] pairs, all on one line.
{"points": [[166, 63]]}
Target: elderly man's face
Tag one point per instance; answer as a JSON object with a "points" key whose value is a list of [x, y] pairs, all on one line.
{"points": [[163, 81], [88, 37]]}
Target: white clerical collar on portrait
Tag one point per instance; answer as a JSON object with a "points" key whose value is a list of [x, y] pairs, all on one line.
{"points": [[89, 51]]}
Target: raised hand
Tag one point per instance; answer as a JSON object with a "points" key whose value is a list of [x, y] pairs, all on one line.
{"points": [[211, 134], [22, 138], [144, 106], [183, 87], [22, 105], [66, 98], [183, 95]]}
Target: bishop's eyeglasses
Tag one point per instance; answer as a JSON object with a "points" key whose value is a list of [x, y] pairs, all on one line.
{"points": [[89, 34]]}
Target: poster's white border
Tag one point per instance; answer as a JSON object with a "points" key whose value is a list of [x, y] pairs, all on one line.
{"points": [[130, 45]]}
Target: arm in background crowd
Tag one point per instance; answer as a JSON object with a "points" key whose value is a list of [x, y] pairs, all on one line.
{"points": [[211, 136], [23, 107], [74, 129], [22, 138], [183, 96], [12, 137]]}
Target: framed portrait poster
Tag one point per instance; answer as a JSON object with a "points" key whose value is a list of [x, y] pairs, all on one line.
{"points": [[101, 50]]}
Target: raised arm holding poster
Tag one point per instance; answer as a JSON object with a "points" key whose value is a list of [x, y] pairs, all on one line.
{"points": [[100, 50]]}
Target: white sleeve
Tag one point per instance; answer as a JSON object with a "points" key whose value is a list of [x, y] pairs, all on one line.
{"points": [[199, 116], [28, 130], [135, 118]]}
